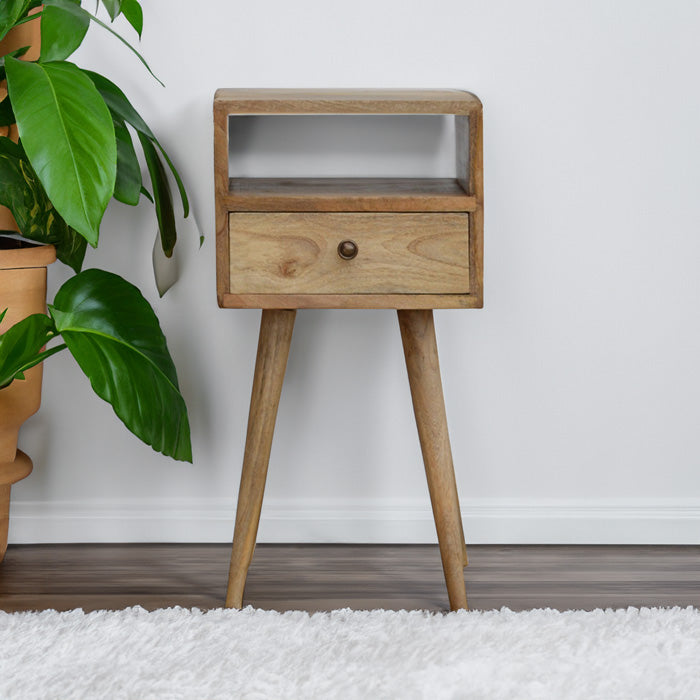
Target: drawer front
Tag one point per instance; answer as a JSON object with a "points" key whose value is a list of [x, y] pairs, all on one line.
{"points": [[297, 253]]}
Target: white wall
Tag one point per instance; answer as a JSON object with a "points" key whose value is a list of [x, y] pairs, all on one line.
{"points": [[573, 398]]}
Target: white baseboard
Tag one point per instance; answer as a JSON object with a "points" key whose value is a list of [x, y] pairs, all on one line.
{"points": [[371, 521]]}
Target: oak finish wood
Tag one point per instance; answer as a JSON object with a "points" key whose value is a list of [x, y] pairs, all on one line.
{"points": [[395, 194], [475, 187], [350, 301], [277, 243], [422, 363], [463, 193], [276, 328], [325, 577], [282, 101], [297, 253], [221, 191]]}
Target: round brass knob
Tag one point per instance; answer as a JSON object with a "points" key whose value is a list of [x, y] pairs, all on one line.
{"points": [[347, 249]]}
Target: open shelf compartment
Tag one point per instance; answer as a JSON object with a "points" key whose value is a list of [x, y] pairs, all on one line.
{"points": [[439, 196], [396, 194]]}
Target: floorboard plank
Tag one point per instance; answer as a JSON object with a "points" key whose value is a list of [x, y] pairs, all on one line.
{"points": [[326, 577]]}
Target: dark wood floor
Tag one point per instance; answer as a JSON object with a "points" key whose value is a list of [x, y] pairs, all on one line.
{"points": [[324, 577]]}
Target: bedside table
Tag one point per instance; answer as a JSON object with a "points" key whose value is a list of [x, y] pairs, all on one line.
{"points": [[411, 244]]}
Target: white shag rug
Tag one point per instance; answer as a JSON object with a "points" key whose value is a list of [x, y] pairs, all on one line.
{"points": [[180, 654]]}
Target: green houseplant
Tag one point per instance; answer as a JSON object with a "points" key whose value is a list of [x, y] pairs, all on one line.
{"points": [[73, 151]]}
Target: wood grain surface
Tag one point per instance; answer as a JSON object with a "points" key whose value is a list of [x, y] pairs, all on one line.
{"points": [[399, 194], [325, 101], [423, 366], [296, 253], [221, 183], [324, 577], [463, 193], [350, 301], [475, 187], [276, 327]]}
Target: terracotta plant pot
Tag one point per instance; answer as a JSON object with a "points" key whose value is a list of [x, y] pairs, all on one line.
{"points": [[22, 292]]}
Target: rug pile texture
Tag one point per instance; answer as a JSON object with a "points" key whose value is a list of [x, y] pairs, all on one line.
{"points": [[180, 654]]}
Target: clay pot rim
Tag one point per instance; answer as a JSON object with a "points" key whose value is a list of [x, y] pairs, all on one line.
{"points": [[28, 255]]}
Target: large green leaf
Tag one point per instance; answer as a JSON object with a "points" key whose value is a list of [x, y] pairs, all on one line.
{"points": [[178, 180], [114, 335], [127, 188], [68, 135], [21, 344], [68, 6], [119, 105], [22, 193], [10, 12], [122, 109], [162, 196], [131, 9], [61, 32]]}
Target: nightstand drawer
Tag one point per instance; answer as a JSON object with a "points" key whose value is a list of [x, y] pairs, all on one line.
{"points": [[299, 253]]}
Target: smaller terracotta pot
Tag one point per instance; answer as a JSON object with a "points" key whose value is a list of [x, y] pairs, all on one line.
{"points": [[22, 292]]}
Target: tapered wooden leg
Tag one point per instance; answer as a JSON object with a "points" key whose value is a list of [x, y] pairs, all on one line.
{"points": [[273, 349], [420, 349]]}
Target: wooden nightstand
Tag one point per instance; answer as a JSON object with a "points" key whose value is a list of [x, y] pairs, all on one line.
{"points": [[411, 244]]}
